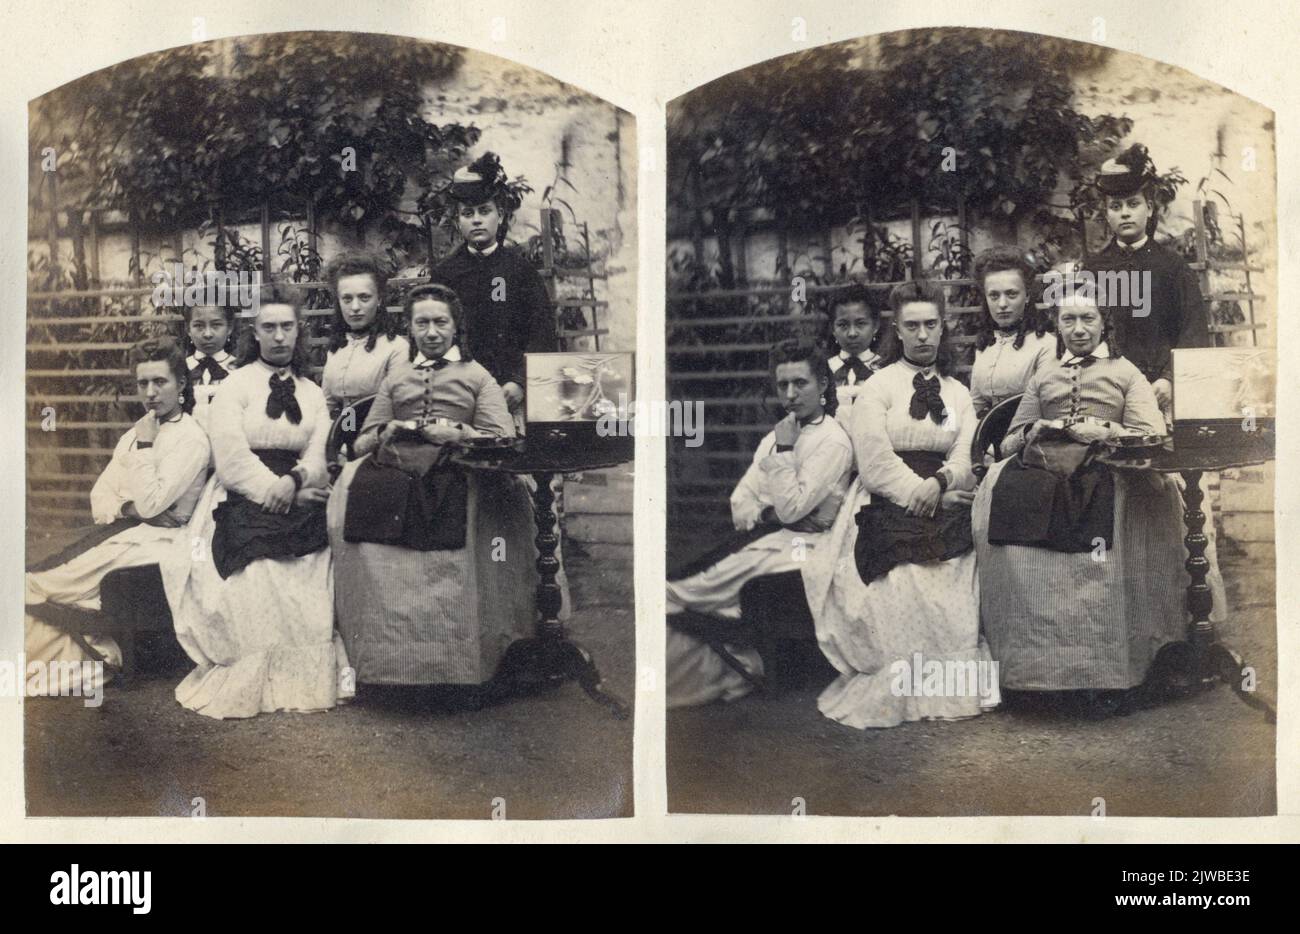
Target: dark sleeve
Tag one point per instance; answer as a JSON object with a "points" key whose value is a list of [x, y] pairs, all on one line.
{"points": [[533, 321], [1195, 319]]}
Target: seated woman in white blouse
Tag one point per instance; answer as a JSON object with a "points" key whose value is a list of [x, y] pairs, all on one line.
{"points": [[250, 593], [781, 507], [893, 587], [1014, 339], [139, 504], [365, 342]]}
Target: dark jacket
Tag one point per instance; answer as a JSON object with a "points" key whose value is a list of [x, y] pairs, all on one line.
{"points": [[506, 304], [1177, 318]]}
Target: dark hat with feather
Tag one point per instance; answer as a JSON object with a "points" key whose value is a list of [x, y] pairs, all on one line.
{"points": [[482, 180], [1127, 174]]}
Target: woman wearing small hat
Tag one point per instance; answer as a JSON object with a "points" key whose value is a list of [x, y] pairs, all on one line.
{"points": [[504, 298], [1176, 314]]}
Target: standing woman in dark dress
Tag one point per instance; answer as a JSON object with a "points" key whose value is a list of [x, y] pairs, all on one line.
{"points": [[505, 301]]}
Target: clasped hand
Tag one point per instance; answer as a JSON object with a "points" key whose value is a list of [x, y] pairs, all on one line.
{"points": [[927, 497], [283, 494]]}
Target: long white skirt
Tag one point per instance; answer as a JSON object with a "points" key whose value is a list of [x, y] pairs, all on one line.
{"points": [[889, 638], [263, 639]]}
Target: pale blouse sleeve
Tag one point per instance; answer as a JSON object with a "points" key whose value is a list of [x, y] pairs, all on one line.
{"points": [[399, 351], [746, 498], [796, 485], [977, 377], [329, 381], [491, 414], [1046, 353], [238, 468], [958, 456], [1141, 410], [312, 458], [880, 470], [105, 500], [158, 476], [380, 414]]}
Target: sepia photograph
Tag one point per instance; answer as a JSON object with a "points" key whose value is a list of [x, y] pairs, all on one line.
{"points": [[983, 325], [322, 520]]}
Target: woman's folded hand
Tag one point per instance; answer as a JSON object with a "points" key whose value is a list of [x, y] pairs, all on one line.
{"points": [[1088, 432], [280, 496], [440, 434], [311, 494], [924, 498], [957, 498]]}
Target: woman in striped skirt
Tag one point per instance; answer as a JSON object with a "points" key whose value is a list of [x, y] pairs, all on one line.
{"points": [[1078, 564]]}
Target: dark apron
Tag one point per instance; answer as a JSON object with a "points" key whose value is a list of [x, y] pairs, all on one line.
{"points": [[245, 532], [888, 536], [407, 494], [1053, 496]]}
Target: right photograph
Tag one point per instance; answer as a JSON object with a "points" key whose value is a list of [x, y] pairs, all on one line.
{"points": [[979, 517]]}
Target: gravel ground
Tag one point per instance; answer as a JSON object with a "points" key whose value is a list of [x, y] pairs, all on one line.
{"points": [[1204, 755], [389, 754]]}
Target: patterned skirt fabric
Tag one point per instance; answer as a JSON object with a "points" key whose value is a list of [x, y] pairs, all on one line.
{"points": [[262, 639], [1092, 620], [916, 618]]}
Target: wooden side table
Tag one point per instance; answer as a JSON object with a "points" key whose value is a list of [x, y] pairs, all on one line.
{"points": [[549, 657], [1199, 448]]}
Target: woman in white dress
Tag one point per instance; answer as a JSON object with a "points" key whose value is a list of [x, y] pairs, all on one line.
{"points": [[893, 589], [140, 503], [364, 340], [252, 600], [1014, 340], [781, 508]]}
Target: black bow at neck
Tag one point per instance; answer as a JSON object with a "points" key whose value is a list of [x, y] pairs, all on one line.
{"points": [[209, 365], [855, 366], [282, 400], [926, 399]]}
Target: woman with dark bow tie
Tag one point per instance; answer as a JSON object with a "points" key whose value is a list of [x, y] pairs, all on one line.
{"points": [[855, 326], [896, 581], [209, 331], [250, 590]]}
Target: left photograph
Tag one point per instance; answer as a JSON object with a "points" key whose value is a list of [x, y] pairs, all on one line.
{"points": [[329, 510]]}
